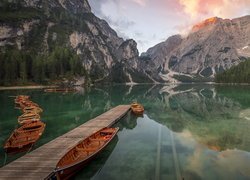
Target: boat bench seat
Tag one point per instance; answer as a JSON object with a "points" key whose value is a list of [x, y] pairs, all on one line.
{"points": [[107, 131]]}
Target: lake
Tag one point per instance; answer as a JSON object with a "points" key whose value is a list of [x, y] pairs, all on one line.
{"points": [[190, 131]]}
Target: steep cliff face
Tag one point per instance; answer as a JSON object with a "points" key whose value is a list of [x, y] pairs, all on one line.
{"points": [[39, 27], [75, 6], [155, 57], [161, 50], [212, 46]]}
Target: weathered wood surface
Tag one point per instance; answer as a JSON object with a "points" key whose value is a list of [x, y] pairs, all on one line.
{"points": [[39, 163]]}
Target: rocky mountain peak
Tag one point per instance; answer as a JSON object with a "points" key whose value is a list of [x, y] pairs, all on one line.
{"points": [[205, 23], [128, 50], [213, 46]]}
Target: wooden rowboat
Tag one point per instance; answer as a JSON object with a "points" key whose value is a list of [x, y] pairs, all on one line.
{"points": [[32, 109], [134, 104], [60, 90], [137, 108], [33, 126], [24, 137], [20, 98], [28, 117], [83, 152], [24, 104], [13, 151]]}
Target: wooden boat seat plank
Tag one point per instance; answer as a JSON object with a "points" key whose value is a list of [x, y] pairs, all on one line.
{"points": [[107, 131]]}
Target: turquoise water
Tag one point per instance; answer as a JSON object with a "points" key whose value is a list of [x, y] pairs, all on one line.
{"points": [[187, 131]]}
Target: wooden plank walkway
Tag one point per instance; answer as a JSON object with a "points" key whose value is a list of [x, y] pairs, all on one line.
{"points": [[39, 163]]}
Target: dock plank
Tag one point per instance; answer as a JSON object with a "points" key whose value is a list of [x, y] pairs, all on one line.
{"points": [[39, 163]]}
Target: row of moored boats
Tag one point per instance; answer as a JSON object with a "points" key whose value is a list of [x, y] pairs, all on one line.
{"points": [[30, 126], [79, 155]]}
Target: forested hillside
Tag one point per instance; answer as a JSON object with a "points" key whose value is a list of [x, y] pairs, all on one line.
{"points": [[236, 74], [18, 67], [32, 59], [50, 41]]}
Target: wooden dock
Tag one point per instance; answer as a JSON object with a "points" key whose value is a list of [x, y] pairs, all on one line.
{"points": [[39, 163]]}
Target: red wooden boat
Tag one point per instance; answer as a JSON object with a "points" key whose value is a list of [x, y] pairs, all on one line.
{"points": [[64, 90], [24, 136], [28, 103], [13, 151], [32, 109], [20, 98], [28, 117], [83, 152], [137, 108]]}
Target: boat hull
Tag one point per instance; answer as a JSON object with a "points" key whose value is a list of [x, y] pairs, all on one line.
{"points": [[16, 150], [137, 108], [24, 136], [70, 170]]}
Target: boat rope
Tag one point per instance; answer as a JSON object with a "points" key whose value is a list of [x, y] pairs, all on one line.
{"points": [[30, 148]]}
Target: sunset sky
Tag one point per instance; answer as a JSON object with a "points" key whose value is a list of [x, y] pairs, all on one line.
{"points": [[152, 21]]}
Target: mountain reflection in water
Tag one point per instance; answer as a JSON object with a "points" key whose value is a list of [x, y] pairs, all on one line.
{"points": [[192, 131]]}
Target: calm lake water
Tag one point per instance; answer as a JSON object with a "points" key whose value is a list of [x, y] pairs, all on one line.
{"points": [[187, 131]]}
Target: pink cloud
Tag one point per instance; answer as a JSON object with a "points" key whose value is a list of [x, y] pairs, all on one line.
{"points": [[140, 2], [197, 9]]}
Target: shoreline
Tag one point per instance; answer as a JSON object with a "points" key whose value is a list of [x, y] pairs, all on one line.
{"points": [[25, 87], [126, 84]]}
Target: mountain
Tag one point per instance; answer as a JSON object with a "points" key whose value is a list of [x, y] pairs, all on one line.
{"points": [[45, 40], [212, 46]]}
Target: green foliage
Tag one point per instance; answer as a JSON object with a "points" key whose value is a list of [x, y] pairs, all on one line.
{"points": [[14, 13], [139, 77], [35, 63], [207, 72], [117, 74], [188, 79], [34, 39], [236, 74], [17, 67]]}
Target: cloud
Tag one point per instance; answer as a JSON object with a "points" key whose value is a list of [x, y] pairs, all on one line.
{"points": [[141, 19], [122, 34], [138, 34], [142, 44], [116, 20], [96, 6], [118, 23], [197, 9], [140, 2], [183, 29]]}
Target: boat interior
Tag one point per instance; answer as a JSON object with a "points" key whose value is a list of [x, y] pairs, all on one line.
{"points": [[87, 147]]}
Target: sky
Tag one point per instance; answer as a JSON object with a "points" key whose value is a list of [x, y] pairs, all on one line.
{"points": [[150, 22]]}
